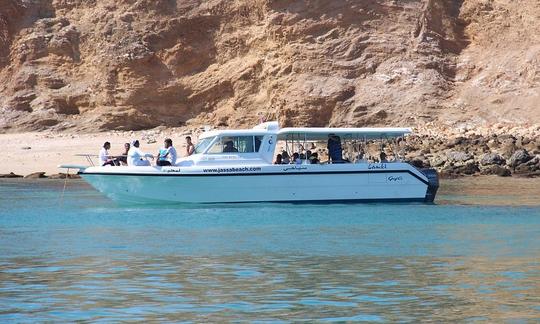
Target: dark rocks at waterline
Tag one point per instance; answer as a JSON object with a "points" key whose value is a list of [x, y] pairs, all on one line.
{"points": [[64, 176], [496, 169], [35, 175], [492, 159], [10, 175], [41, 175], [419, 163], [468, 168], [519, 157]]}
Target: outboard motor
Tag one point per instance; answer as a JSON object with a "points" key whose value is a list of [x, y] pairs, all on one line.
{"points": [[433, 184]]}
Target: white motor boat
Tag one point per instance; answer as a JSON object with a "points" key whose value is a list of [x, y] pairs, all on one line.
{"points": [[243, 171]]}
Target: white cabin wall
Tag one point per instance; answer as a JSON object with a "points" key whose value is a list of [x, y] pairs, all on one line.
{"points": [[268, 146]]}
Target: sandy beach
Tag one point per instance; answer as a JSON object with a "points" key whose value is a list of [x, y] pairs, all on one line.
{"points": [[25, 153]]}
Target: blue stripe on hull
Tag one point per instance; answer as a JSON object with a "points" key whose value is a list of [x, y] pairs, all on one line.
{"points": [[334, 201]]}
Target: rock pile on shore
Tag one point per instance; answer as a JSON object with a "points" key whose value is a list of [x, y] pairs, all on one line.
{"points": [[502, 155]]}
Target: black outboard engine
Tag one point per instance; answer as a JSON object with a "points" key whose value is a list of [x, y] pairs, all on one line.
{"points": [[433, 184]]}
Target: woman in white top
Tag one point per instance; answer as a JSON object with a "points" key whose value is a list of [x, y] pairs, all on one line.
{"points": [[136, 157]]}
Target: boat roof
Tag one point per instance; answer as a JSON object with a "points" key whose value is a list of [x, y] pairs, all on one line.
{"points": [[234, 132], [312, 133], [317, 133]]}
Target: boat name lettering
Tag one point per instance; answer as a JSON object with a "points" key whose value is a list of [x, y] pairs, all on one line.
{"points": [[232, 169], [373, 166], [168, 170], [295, 168], [221, 157], [395, 179]]}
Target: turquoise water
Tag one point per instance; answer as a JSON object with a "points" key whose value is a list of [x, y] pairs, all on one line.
{"points": [[84, 258]]}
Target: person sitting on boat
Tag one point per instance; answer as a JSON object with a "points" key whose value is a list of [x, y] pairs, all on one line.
{"points": [[123, 157], [314, 158], [229, 147], [257, 143], [360, 157], [296, 158], [190, 148], [104, 157], [166, 155], [335, 151], [136, 157], [383, 158], [279, 159], [285, 157]]}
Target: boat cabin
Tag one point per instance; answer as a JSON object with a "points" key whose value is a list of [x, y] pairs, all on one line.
{"points": [[261, 144]]}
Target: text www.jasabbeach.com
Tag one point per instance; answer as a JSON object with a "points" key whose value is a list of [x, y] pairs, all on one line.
{"points": [[228, 170]]}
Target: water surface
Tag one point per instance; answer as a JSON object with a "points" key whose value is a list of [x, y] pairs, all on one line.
{"points": [[474, 256]]}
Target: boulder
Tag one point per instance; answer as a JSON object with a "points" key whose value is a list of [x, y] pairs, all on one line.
{"points": [[10, 175], [534, 162], [438, 161], [456, 141], [64, 175], [469, 168], [529, 168], [459, 156], [496, 169], [508, 149], [491, 159], [419, 163], [519, 157], [35, 175]]}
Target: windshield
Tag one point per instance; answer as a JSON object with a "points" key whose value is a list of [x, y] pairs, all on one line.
{"points": [[203, 144]]}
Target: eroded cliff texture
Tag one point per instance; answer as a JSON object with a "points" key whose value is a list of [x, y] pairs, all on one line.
{"points": [[135, 64]]}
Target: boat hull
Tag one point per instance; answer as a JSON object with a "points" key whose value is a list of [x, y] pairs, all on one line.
{"points": [[313, 185]]}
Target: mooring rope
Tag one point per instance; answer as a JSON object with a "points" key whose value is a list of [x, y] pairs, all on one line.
{"points": [[65, 185]]}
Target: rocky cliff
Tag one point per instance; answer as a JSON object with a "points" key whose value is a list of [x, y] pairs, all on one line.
{"points": [[136, 64]]}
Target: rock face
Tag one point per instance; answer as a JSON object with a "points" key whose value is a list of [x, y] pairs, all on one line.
{"points": [[135, 64]]}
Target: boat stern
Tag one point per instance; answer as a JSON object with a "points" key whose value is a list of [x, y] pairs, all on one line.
{"points": [[433, 184]]}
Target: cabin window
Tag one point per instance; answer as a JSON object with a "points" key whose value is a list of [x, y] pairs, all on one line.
{"points": [[203, 144], [236, 144]]}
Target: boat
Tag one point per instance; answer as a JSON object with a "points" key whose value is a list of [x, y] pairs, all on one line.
{"points": [[215, 173]]}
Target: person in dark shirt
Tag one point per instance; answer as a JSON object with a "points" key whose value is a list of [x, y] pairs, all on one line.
{"points": [[335, 151], [314, 158], [279, 159], [123, 157], [229, 147], [296, 158]]}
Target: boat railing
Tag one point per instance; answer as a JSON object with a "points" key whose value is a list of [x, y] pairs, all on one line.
{"points": [[88, 157]]}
